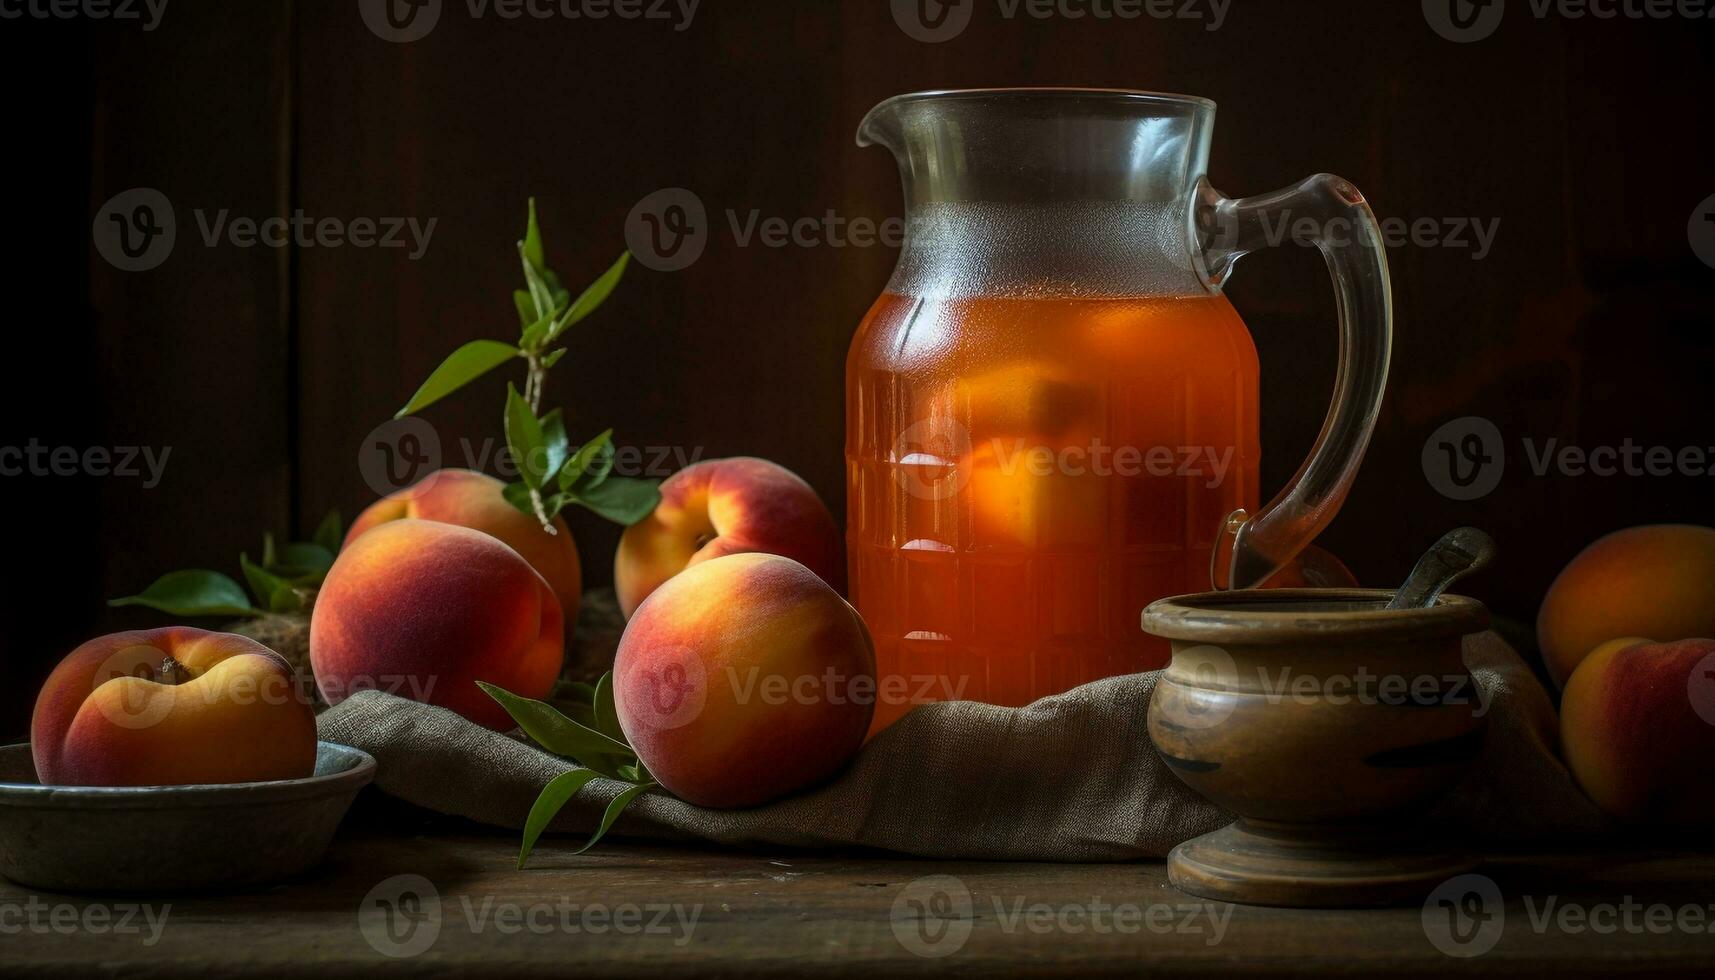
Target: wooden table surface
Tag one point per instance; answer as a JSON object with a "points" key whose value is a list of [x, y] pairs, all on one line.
{"points": [[449, 903]]}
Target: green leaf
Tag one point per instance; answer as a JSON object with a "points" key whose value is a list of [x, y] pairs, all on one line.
{"points": [[526, 308], [559, 734], [552, 358], [275, 593], [518, 495], [535, 333], [624, 500], [524, 437], [554, 503], [461, 367], [614, 809], [270, 554], [304, 558], [556, 292], [583, 714], [330, 533], [193, 592], [554, 440], [581, 691], [590, 464], [536, 255], [606, 716], [262, 582], [541, 292], [593, 297], [532, 244], [554, 797]]}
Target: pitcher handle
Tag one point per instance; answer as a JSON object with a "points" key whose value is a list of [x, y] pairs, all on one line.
{"points": [[1251, 547]]}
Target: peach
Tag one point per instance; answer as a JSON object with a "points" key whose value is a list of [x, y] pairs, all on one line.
{"points": [[1657, 580], [743, 679], [424, 610], [1023, 498], [1038, 400], [471, 499], [722, 507], [1637, 726], [170, 707]]}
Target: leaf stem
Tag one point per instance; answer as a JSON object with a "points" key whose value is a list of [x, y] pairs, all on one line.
{"points": [[535, 375], [537, 380], [541, 509]]}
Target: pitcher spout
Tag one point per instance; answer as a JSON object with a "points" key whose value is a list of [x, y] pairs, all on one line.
{"points": [[880, 126]]}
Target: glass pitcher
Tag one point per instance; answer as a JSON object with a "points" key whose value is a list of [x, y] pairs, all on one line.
{"points": [[1052, 410]]}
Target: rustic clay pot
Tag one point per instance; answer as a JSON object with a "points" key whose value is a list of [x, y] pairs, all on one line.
{"points": [[1327, 723]]}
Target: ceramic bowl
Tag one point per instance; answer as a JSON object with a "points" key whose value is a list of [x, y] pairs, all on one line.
{"points": [[1326, 722], [171, 838]]}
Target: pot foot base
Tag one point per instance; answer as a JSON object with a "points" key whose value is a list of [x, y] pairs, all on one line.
{"points": [[1312, 867]]}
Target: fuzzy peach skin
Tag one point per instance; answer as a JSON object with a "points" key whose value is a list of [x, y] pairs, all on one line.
{"points": [[722, 507], [471, 499], [170, 707], [1657, 580], [744, 679], [424, 610], [1637, 726]]}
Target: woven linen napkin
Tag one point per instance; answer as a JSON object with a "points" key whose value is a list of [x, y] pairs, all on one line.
{"points": [[1072, 777]]}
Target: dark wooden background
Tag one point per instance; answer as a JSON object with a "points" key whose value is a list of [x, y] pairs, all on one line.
{"points": [[264, 369]]}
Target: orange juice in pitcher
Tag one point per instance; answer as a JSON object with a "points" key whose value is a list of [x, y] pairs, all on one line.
{"points": [[1052, 411]]}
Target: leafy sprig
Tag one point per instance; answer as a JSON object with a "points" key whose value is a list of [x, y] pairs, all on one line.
{"points": [[282, 582], [589, 736], [553, 475]]}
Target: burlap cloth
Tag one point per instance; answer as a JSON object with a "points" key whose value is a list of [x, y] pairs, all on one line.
{"points": [[1070, 778]]}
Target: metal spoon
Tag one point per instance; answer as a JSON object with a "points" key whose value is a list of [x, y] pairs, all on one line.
{"points": [[1460, 552]]}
